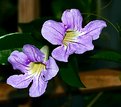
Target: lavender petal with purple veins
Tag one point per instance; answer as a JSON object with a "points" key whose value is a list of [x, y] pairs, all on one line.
{"points": [[35, 67], [70, 35]]}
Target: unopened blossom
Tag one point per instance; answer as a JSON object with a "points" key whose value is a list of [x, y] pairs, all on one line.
{"points": [[70, 35], [36, 69]]}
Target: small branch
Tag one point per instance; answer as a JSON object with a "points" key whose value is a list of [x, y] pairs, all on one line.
{"points": [[95, 99]]}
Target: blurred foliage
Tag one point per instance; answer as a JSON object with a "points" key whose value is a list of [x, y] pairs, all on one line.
{"points": [[109, 99], [107, 55], [8, 16], [85, 6], [69, 73], [34, 27]]}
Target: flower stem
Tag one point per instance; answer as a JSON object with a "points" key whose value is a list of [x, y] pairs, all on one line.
{"points": [[99, 7], [95, 99]]}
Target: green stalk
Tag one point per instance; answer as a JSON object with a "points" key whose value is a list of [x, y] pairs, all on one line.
{"points": [[95, 99], [99, 4]]}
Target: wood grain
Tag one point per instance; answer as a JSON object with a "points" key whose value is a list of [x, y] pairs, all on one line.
{"points": [[28, 10]]}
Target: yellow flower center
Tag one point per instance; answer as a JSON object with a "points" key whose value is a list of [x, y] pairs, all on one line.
{"points": [[36, 68], [70, 36]]}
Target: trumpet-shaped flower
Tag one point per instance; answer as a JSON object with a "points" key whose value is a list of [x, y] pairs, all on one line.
{"points": [[69, 34], [36, 68]]}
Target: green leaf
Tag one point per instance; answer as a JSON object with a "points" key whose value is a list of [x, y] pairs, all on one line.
{"points": [[70, 75], [108, 55], [16, 40], [4, 54], [34, 27], [13, 41]]}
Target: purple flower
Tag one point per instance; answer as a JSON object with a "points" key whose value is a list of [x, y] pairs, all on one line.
{"points": [[69, 34], [35, 68]]}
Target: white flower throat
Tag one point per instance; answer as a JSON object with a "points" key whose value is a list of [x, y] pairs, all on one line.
{"points": [[36, 68], [70, 36]]}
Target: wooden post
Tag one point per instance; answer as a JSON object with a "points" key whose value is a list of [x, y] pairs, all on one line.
{"points": [[28, 10]]}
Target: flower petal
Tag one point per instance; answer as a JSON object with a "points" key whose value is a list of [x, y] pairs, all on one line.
{"points": [[38, 87], [53, 32], [94, 28], [59, 53], [79, 49], [19, 61], [19, 81], [72, 19], [51, 69], [33, 53], [85, 42]]}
